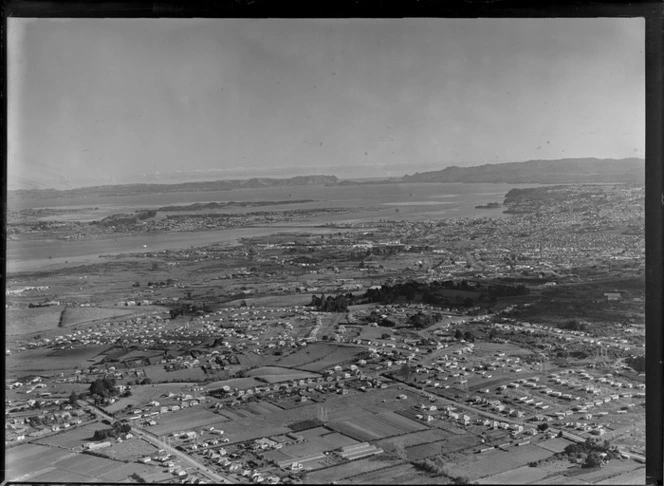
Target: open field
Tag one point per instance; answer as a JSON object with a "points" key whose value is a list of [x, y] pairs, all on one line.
{"points": [[144, 394], [557, 444], [188, 419], [318, 356], [88, 468], [239, 383], [20, 461], [498, 461], [71, 438], [275, 374], [415, 438], [44, 359], [399, 474], [609, 470], [26, 320], [520, 475], [637, 476], [80, 315], [158, 374], [129, 450], [348, 470]]}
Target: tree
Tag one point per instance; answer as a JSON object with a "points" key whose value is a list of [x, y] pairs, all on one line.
{"points": [[73, 398], [593, 460], [405, 371], [458, 335], [542, 427]]}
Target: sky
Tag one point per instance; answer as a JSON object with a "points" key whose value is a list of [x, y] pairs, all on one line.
{"points": [[101, 101]]}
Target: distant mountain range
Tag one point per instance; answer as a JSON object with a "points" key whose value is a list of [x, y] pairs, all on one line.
{"points": [[133, 189], [561, 171]]}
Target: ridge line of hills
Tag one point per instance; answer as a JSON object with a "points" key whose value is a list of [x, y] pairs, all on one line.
{"points": [[629, 170], [559, 171]]}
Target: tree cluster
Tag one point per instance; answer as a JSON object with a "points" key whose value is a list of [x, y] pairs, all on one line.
{"points": [[338, 303], [103, 387], [118, 429], [592, 451], [573, 325], [465, 335], [434, 467], [422, 320], [434, 293]]}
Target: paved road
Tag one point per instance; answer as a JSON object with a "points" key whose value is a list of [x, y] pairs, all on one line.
{"points": [[157, 442]]}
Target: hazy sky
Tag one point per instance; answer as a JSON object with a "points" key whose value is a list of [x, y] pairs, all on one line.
{"points": [[101, 100]]}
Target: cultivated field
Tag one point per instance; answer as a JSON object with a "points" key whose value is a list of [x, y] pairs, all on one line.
{"points": [[399, 474], [637, 476], [498, 461], [348, 470], [368, 426], [415, 438], [520, 475], [25, 459]]}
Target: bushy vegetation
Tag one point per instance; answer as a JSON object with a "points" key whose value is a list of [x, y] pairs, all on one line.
{"points": [[573, 325], [433, 466], [590, 452], [304, 425]]}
